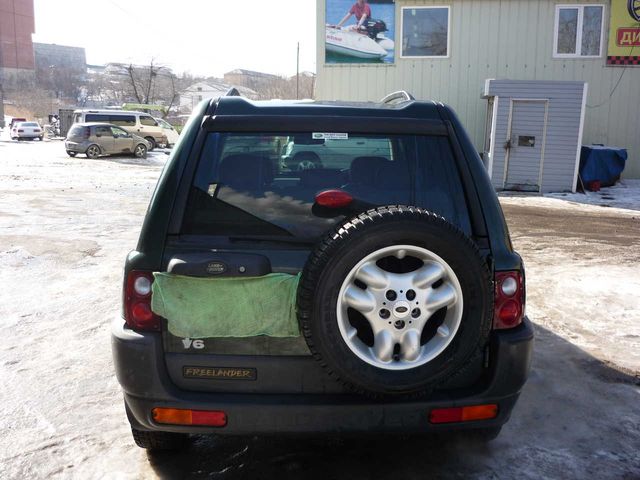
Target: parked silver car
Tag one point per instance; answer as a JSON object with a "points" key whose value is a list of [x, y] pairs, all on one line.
{"points": [[95, 139]]}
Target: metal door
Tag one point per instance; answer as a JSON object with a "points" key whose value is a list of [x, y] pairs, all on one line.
{"points": [[525, 145]]}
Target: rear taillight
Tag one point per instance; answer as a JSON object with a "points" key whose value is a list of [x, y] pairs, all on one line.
{"points": [[137, 302], [20, 131], [509, 299]]}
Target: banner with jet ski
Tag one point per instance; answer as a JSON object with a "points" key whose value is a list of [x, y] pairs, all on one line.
{"points": [[360, 31]]}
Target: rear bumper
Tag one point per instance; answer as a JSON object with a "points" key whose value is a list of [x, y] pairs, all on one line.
{"points": [[141, 371], [75, 147], [27, 135]]}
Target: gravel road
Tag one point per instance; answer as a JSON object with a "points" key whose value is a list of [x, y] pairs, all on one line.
{"points": [[65, 228]]}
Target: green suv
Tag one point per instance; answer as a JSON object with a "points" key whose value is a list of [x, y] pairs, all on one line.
{"points": [[374, 290]]}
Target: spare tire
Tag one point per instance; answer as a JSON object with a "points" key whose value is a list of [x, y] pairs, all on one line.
{"points": [[395, 301]]}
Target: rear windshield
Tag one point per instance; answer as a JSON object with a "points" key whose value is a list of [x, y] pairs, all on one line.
{"points": [[264, 184], [76, 131]]}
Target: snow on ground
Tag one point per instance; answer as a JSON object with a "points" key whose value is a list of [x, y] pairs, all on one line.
{"points": [[623, 197], [624, 194], [65, 228]]}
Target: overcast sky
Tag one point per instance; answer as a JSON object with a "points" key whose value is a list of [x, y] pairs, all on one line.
{"points": [[201, 37]]}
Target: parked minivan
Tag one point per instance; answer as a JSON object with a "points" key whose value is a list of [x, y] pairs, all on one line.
{"points": [[137, 123], [169, 131]]}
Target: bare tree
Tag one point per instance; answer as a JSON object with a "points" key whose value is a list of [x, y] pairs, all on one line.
{"points": [[63, 81], [285, 88]]}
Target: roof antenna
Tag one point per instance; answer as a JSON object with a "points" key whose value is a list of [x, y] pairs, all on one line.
{"points": [[232, 92]]}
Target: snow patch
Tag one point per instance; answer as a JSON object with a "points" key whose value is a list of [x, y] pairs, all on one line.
{"points": [[15, 257], [624, 194]]}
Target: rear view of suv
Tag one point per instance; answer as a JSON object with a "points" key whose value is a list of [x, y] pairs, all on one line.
{"points": [[374, 289]]}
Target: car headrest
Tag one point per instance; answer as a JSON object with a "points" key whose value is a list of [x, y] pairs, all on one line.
{"points": [[393, 176], [245, 172], [322, 178], [364, 170]]}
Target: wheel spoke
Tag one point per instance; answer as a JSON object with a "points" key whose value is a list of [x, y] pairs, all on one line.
{"points": [[383, 346], [428, 275], [359, 299], [410, 346], [441, 297], [373, 276], [351, 334]]}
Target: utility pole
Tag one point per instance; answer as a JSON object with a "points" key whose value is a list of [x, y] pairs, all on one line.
{"points": [[298, 73], [2, 125]]}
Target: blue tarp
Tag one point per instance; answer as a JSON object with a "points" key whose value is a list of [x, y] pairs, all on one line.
{"points": [[601, 163]]}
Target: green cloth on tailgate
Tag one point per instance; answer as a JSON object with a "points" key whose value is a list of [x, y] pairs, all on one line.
{"points": [[197, 307]]}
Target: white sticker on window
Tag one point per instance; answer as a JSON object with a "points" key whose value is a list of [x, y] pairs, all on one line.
{"points": [[330, 136]]}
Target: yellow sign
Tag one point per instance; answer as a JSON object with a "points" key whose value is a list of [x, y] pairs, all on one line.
{"points": [[624, 33]]}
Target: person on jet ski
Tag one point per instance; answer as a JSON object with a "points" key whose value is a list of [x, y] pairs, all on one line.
{"points": [[361, 10]]}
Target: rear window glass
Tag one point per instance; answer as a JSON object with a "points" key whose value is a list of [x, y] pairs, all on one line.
{"points": [[30, 124], [96, 117], [122, 120], [265, 184], [76, 130]]}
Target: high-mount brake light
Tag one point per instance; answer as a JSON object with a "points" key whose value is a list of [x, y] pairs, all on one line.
{"points": [[334, 199], [509, 300], [137, 302]]}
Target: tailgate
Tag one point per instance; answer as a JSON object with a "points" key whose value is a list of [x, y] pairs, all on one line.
{"points": [[255, 364]]}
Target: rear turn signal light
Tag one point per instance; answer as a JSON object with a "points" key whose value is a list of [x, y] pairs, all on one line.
{"points": [[178, 416], [463, 414], [509, 298], [137, 302]]}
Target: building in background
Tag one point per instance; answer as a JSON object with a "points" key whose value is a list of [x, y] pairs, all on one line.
{"points": [[446, 51], [250, 79], [194, 94], [17, 64], [51, 56]]}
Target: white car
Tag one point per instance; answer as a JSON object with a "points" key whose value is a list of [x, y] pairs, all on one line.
{"points": [[169, 131], [28, 130], [302, 152]]}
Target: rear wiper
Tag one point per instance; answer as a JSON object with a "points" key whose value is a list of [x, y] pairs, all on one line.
{"points": [[274, 239]]}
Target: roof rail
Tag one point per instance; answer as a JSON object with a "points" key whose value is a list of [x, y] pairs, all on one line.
{"points": [[232, 92], [399, 95]]}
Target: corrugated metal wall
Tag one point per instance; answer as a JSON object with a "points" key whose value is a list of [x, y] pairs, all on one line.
{"points": [[563, 124], [496, 39]]}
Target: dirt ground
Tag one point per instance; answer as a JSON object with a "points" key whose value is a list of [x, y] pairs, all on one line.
{"points": [[65, 228]]}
